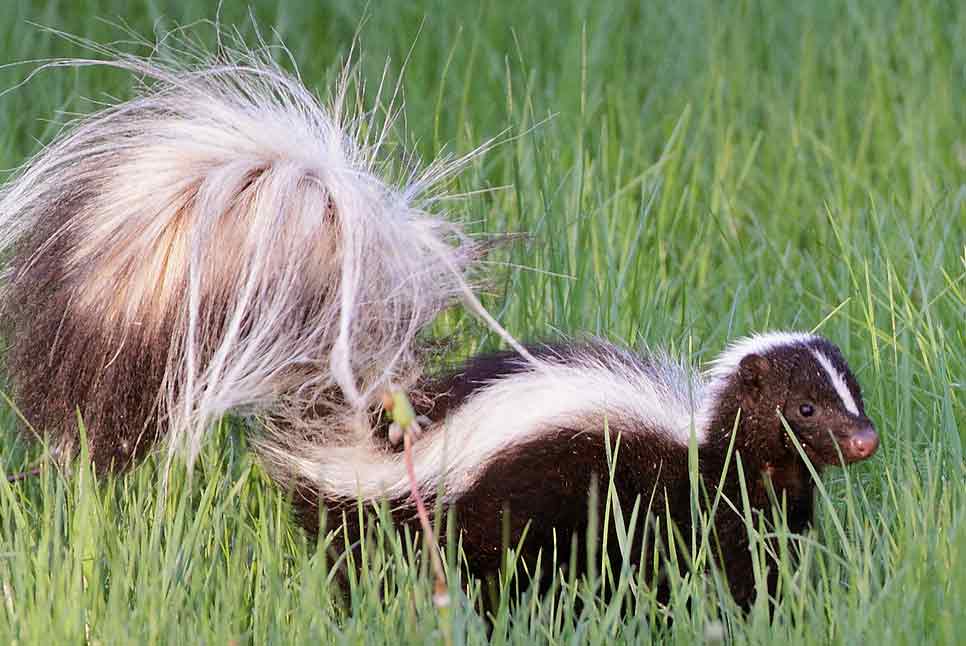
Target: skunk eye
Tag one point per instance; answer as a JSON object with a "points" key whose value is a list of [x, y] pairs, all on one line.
{"points": [[806, 410]]}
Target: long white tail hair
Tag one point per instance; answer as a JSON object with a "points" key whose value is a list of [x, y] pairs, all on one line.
{"points": [[223, 241]]}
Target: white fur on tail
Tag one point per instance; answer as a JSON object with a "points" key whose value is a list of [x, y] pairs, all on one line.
{"points": [[226, 197]]}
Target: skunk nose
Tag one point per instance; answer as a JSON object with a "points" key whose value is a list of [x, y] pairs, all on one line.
{"points": [[861, 444]]}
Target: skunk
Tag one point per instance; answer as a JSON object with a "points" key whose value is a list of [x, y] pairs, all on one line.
{"points": [[224, 243], [515, 445]]}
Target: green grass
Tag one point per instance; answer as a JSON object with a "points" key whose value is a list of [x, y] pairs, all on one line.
{"points": [[688, 172]]}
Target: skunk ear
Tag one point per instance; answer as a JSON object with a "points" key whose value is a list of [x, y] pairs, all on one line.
{"points": [[753, 371]]}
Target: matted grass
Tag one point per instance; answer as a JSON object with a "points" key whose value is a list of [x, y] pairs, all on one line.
{"points": [[687, 174]]}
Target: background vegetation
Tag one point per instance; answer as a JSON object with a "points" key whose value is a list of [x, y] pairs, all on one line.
{"points": [[688, 172]]}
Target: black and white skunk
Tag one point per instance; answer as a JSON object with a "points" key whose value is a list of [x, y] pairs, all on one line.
{"points": [[517, 444], [225, 243]]}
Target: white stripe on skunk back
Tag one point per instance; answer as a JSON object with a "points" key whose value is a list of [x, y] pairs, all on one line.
{"points": [[230, 218], [587, 390]]}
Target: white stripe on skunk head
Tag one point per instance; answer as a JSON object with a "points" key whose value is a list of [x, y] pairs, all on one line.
{"points": [[220, 242], [837, 379]]}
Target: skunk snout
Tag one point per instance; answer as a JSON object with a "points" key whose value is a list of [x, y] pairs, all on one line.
{"points": [[860, 444]]}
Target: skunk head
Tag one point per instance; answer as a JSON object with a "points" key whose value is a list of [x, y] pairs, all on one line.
{"points": [[805, 380], [824, 408]]}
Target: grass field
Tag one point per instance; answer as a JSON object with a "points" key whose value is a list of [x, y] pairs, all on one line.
{"points": [[688, 172]]}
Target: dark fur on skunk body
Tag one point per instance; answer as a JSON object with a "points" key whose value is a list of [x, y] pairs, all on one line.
{"points": [[539, 488]]}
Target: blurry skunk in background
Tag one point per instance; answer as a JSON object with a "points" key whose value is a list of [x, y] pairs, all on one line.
{"points": [[223, 242]]}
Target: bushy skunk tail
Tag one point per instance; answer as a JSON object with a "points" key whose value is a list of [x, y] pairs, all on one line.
{"points": [[220, 243]]}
